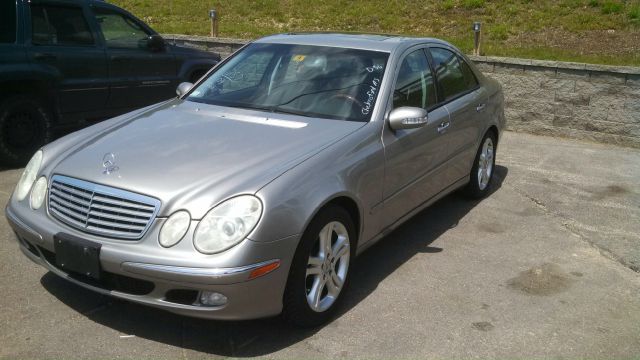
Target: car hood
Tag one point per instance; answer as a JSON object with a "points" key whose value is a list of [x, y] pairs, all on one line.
{"points": [[192, 156]]}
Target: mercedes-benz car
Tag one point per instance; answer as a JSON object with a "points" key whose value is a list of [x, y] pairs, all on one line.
{"points": [[250, 194]]}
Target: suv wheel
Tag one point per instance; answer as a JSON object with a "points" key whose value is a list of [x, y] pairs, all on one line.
{"points": [[25, 125]]}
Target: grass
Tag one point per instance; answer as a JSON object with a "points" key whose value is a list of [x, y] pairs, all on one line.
{"points": [[596, 31]]}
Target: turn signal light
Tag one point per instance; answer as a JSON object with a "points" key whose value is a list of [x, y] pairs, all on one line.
{"points": [[264, 270]]}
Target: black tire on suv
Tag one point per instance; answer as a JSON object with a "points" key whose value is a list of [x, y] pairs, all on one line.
{"points": [[25, 125]]}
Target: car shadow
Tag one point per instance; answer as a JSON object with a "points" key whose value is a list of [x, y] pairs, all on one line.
{"points": [[262, 337]]}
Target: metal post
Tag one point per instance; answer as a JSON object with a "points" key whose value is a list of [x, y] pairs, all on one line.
{"points": [[214, 22], [477, 32]]}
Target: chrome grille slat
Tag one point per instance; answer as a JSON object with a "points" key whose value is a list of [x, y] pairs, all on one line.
{"points": [[76, 199], [65, 203], [100, 215], [66, 217], [99, 209], [73, 191], [102, 199], [110, 224], [120, 210]]}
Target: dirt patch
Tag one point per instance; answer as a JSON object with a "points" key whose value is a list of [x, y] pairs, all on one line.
{"points": [[547, 279], [609, 191], [492, 228], [483, 326]]}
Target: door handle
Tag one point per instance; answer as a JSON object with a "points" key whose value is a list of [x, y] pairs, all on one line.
{"points": [[44, 56], [480, 107], [443, 126]]}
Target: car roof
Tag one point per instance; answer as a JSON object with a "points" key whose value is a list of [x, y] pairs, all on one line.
{"points": [[375, 42]]}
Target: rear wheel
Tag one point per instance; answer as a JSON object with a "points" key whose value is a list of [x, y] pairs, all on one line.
{"points": [[25, 125], [483, 166], [319, 273]]}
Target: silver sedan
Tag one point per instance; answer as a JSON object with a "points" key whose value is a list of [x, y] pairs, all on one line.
{"points": [[250, 194]]}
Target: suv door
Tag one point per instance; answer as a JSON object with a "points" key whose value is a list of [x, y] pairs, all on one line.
{"points": [[139, 76], [63, 43], [465, 100], [414, 158]]}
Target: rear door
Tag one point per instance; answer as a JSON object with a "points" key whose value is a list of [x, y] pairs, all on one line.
{"points": [[62, 40], [139, 77], [465, 100], [414, 158]]}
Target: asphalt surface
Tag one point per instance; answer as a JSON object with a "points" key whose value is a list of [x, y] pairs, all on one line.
{"points": [[543, 267]]}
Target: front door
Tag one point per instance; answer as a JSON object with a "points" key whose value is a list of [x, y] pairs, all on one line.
{"points": [[63, 43], [415, 157], [139, 76]]}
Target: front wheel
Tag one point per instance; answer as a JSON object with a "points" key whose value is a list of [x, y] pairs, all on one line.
{"points": [[483, 166], [25, 125], [320, 270]]}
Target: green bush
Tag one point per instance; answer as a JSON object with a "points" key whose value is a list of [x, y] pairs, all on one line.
{"points": [[499, 32], [447, 5], [634, 13], [610, 7], [472, 4]]}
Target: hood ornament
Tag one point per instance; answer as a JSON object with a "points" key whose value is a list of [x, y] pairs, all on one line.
{"points": [[109, 163]]}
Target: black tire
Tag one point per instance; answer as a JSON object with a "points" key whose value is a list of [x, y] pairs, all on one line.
{"points": [[296, 308], [25, 125], [474, 188]]}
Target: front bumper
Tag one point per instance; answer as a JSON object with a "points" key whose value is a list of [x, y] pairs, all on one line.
{"points": [[133, 271]]}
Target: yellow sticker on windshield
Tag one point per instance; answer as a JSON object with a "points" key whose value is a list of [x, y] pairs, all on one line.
{"points": [[299, 58]]}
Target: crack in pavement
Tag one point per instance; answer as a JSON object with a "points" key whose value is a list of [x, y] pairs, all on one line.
{"points": [[572, 226]]}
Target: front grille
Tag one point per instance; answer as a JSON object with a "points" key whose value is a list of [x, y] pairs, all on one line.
{"points": [[100, 209]]}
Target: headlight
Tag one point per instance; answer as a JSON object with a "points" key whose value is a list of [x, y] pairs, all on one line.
{"points": [[174, 228], [28, 176], [227, 224], [38, 193]]}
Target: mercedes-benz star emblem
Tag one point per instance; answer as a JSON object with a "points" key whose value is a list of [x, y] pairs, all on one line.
{"points": [[109, 163]]}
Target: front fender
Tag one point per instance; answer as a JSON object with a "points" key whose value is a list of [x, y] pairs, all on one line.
{"points": [[352, 168]]}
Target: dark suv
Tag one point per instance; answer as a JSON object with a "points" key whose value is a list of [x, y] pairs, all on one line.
{"points": [[64, 63]]}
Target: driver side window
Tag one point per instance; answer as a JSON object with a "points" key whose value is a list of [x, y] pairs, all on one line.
{"points": [[415, 86], [120, 31]]}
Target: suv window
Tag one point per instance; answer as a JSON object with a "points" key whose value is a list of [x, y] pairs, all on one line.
{"points": [[59, 25], [7, 22], [120, 31], [450, 73], [415, 86]]}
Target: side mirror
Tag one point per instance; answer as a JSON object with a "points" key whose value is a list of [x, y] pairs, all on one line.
{"points": [[156, 43], [183, 88], [407, 118]]}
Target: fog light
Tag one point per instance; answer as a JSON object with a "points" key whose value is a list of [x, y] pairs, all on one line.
{"points": [[210, 298]]}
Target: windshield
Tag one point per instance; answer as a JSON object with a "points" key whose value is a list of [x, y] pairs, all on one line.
{"points": [[316, 81]]}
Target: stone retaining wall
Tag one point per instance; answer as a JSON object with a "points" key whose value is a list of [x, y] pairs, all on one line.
{"points": [[583, 101]]}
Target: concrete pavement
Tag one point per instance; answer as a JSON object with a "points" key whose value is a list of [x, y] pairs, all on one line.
{"points": [[541, 268]]}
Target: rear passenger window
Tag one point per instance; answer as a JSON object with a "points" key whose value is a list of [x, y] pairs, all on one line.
{"points": [[7, 22], [414, 86], [59, 25], [450, 73]]}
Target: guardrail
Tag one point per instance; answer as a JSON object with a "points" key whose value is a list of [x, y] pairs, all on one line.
{"points": [[576, 100]]}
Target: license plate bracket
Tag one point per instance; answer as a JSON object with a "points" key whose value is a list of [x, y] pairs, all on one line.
{"points": [[77, 255]]}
